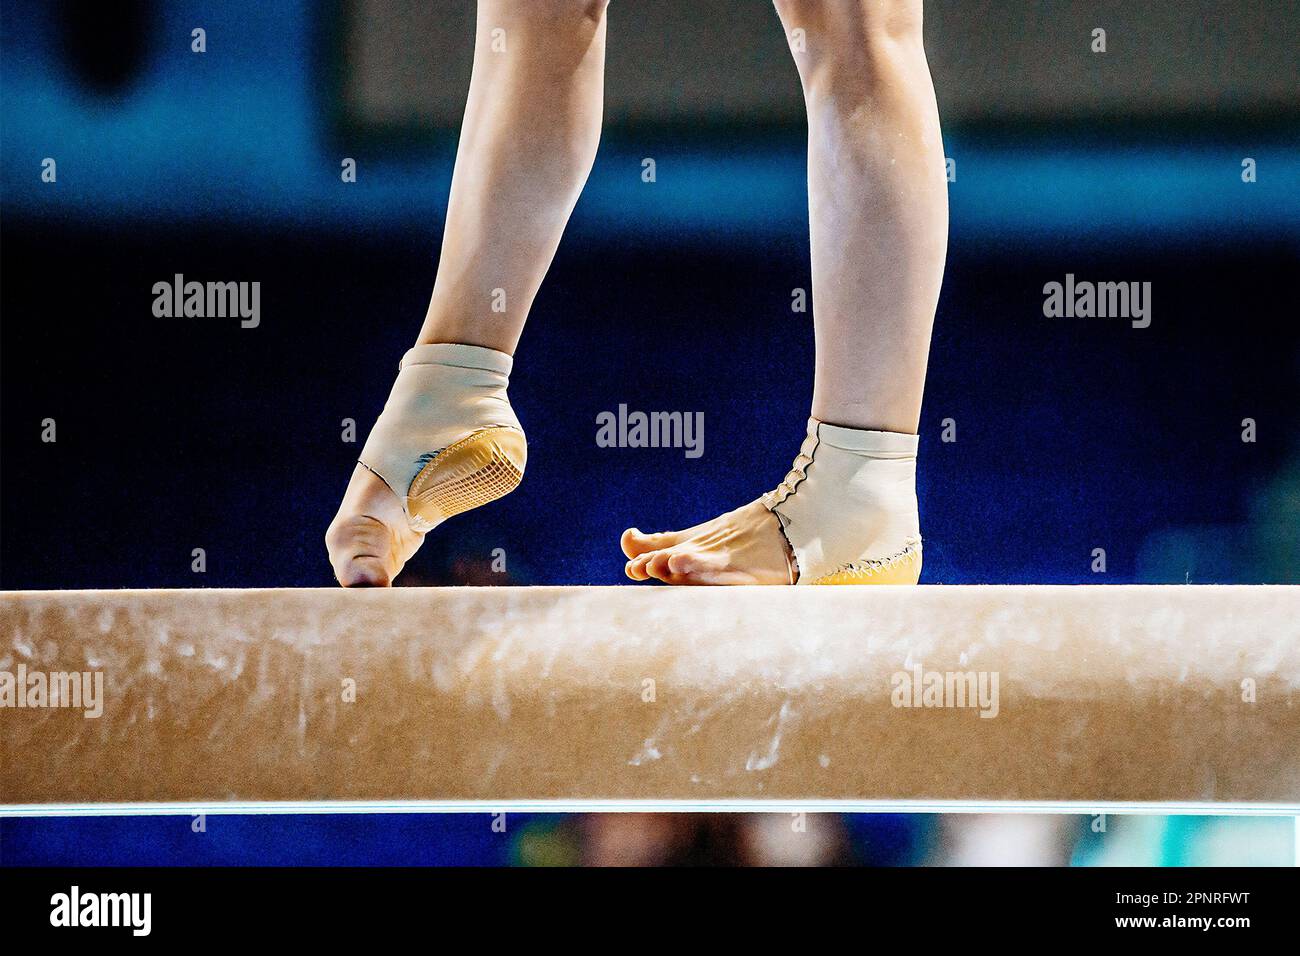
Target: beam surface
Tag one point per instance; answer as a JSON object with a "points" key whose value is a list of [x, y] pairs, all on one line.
{"points": [[1128, 694]]}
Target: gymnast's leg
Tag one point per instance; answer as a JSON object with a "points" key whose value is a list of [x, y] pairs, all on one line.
{"points": [[846, 512], [448, 439]]}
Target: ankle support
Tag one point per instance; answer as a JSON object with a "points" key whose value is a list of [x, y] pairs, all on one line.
{"points": [[447, 439], [848, 507]]}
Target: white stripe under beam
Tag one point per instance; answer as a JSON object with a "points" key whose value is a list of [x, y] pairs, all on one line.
{"points": [[645, 806], [1110, 699]]}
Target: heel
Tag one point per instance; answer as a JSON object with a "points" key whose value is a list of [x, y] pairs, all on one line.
{"points": [[482, 467]]}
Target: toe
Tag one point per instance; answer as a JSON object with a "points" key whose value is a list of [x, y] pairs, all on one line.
{"points": [[636, 568], [686, 567], [636, 542], [657, 565], [696, 567], [364, 572], [361, 551], [369, 540]]}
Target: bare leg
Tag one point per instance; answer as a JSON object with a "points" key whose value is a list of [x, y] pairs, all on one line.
{"points": [[528, 140], [878, 204], [531, 127], [879, 219]]}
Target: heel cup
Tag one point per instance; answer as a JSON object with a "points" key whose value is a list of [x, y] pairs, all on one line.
{"points": [[482, 467]]}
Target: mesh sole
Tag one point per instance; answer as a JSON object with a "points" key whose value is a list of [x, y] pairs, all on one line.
{"points": [[479, 468]]}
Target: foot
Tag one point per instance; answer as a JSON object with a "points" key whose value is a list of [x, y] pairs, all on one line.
{"points": [[745, 546], [447, 441], [370, 539]]}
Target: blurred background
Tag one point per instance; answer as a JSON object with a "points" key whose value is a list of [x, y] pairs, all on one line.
{"points": [[126, 157]]}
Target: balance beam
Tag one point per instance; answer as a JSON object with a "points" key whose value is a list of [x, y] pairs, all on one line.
{"points": [[468, 698]]}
